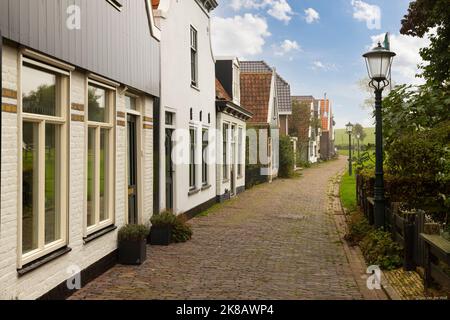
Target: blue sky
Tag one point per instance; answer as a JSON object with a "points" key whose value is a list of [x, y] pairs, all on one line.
{"points": [[322, 53]]}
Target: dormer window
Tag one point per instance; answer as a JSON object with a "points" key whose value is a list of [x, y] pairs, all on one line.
{"points": [[116, 4]]}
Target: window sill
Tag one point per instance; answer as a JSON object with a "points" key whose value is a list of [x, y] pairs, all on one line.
{"points": [[99, 234], [195, 87], [193, 191], [206, 187], [41, 261], [225, 180]]}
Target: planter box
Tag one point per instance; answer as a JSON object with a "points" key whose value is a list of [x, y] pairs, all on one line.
{"points": [[132, 252], [160, 235]]}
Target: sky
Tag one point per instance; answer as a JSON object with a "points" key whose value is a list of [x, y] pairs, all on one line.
{"points": [[317, 45]]}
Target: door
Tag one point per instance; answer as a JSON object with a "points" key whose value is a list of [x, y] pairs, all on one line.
{"points": [[169, 169], [132, 170]]}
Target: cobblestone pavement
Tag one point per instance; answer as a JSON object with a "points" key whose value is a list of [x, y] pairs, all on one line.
{"points": [[275, 241]]}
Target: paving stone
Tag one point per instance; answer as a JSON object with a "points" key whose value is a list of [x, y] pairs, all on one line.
{"points": [[275, 241]]}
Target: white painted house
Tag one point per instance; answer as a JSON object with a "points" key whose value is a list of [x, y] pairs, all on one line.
{"points": [[76, 139], [231, 124], [187, 118]]}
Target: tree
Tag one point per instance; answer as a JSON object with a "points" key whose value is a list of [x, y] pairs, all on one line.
{"points": [[299, 125], [422, 17], [359, 130]]}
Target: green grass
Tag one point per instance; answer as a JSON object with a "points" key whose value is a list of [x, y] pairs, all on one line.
{"points": [[341, 137], [348, 192]]}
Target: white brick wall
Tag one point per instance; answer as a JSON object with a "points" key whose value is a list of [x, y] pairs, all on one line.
{"points": [[36, 283]]}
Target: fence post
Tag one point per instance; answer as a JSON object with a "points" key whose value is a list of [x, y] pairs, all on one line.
{"points": [[408, 235], [419, 245]]}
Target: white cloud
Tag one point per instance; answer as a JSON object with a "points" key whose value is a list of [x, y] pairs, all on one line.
{"points": [[311, 15], [319, 65], [239, 36], [287, 46], [279, 9], [404, 67], [371, 14]]}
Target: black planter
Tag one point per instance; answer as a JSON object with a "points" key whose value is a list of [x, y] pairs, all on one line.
{"points": [[160, 235], [132, 252]]}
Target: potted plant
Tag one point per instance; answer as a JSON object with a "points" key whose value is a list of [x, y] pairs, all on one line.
{"points": [[161, 229], [132, 244]]}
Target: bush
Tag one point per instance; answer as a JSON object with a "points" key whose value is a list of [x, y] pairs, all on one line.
{"points": [[133, 232], [287, 158], [181, 231], [165, 218], [358, 228], [379, 249]]}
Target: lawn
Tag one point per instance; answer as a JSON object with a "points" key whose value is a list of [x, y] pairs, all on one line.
{"points": [[348, 192], [341, 137]]}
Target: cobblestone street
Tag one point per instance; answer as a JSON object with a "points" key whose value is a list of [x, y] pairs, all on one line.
{"points": [[275, 241]]}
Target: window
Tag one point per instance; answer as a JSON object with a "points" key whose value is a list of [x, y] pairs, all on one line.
{"points": [[224, 151], [192, 147], [200, 116], [191, 114], [44, 164], [100, 157], [205, 142], [240, 152], [194, 46], [169, 118]]}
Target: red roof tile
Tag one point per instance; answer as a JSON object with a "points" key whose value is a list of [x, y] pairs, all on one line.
{"points": [[221, 93], [255, 94]]}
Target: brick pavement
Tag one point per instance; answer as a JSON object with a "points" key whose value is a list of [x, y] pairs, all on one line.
{"points": [[275, 241]]}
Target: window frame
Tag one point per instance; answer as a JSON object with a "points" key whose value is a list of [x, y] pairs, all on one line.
{"points": [[110, 101], [193, 50], [192, 158], [61, 120], [205, 149], [225, 138], [240, 164]]}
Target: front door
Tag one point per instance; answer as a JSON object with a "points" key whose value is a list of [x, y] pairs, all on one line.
{"points": [[132, 170], [169, 170]]}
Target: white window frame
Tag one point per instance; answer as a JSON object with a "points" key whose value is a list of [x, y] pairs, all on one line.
{"points": [[63, 103], [110, 125], [226, 153], [193, 47], [139, 157], [205, 158], [241, 151], [193, 162]]}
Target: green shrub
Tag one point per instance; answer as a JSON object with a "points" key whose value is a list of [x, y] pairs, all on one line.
{"points": [[133, 232], [287, 158], [181, 231], [358, 228], [379, 249], [165, 218]]}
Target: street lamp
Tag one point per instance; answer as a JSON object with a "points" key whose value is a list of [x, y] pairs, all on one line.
{"points": [[349, 128], [378, 63], [358, 137]]}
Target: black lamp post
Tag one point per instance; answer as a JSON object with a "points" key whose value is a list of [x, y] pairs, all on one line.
{"points": [[349, 128], [358, 137], [379, 62]]}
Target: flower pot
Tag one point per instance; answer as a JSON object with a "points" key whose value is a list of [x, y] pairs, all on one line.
{"points": [[133, 252], [160, 235]]}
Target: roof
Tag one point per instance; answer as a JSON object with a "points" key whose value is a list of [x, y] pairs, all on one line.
{"points": [[303, 98], [221, 93], [282, 86], [255, 94], [284, 95], [255, 67]]}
